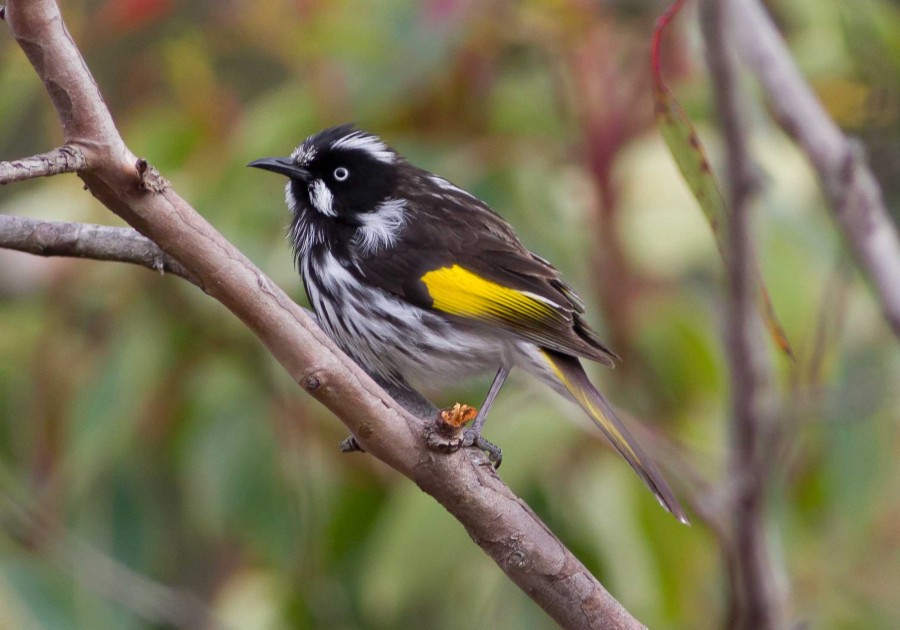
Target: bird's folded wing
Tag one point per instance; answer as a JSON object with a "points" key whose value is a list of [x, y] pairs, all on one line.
{"points": [[460, 258], [525, 297]]}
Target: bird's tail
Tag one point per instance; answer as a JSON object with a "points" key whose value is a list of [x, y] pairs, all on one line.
{"points": [[569, 372]]}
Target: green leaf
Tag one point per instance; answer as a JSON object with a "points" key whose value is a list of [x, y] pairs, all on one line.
{"points": [[690, 157]]}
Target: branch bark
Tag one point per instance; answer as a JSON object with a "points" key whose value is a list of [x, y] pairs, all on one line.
{"points": [[757, 601], [66, 159], [82, 240], [464, 483], [848, 183]]}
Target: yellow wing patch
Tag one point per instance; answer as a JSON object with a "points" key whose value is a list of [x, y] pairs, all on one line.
{"points": [[458, 291]]}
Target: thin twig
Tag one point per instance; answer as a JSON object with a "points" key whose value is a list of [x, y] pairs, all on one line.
{"points": [[757, 601], [85, 240], [65, 159], [851, 189]]}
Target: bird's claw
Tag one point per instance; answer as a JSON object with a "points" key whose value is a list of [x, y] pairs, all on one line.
{"points": [[494, 453]]}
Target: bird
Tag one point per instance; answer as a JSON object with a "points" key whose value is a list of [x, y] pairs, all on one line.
{"points": [[418, 280]]}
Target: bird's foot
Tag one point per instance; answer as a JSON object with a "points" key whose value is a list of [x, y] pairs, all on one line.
{"points": [[448, 436], [471, 437]]}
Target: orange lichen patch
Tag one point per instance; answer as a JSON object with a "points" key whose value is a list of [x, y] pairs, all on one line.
{"points": [[458, 415]]}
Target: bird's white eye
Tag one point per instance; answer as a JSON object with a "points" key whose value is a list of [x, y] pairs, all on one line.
{"points": [[340, 173]]}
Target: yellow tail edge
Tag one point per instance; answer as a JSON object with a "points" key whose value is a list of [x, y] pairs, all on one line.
{"points": [[572, 375]]}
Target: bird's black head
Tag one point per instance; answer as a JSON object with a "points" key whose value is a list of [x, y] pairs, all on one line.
{"points": [[340, 173]]}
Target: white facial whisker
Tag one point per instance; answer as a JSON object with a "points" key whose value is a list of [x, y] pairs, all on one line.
{"points": [[381, 227], [303, 235], [321, 198]]}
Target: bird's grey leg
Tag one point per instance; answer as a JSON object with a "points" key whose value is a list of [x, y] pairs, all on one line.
{"points": [[499, 379], [472, 436]]}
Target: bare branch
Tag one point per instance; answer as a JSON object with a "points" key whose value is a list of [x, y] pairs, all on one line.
{"points": [[465, 482], [850, 187], [757, 601], [83, 240], [66, 159]]}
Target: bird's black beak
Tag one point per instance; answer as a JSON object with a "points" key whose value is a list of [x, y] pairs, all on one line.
{"points": [[282, 165]]}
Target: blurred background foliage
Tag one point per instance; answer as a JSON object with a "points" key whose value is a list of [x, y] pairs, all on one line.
{"points": [[140, 422]]}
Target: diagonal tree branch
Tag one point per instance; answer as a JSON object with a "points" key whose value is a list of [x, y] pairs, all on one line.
{"points": [[83, 240], [465, 483], [848, 183]]}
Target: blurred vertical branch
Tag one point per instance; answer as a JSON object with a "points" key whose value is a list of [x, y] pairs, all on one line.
{"points": [[757, 600], [758, 597]]}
